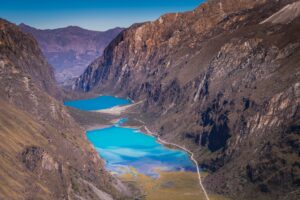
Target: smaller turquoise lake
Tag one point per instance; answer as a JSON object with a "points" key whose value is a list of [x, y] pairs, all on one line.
{"points": [[123, 148], [98, 103]]}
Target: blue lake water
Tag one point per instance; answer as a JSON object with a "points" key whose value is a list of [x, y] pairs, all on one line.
{"points": [[123, 148], [98, 103]]}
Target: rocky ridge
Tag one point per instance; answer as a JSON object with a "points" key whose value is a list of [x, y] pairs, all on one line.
{"points": [[221, 80], [44, 153]]}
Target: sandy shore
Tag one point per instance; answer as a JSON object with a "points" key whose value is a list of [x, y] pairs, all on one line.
{"points": [[118, 110], [101, 126], [95, 127]]}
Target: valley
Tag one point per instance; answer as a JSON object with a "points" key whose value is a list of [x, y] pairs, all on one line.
{"points": [[220, 80], [140, 158], [201, 104]]}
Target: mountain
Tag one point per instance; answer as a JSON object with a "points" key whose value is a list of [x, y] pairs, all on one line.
{"points": [[69, 50], [44, 153], [223, 80]]}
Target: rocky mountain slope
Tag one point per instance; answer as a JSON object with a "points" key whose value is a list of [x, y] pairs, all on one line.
{"points": [[223, 79], [44, 154], [69, 50]]}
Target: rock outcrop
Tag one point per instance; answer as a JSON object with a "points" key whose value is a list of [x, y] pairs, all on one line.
{"points": [[44, 154], [69, 50], [221, 80]]}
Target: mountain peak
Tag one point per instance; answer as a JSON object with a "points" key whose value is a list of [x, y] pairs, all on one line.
{"points": [[70, 49]]}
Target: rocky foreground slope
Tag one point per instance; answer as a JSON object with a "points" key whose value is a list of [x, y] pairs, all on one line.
{"points": [[223, 79], [44, 154], [69, 50]]}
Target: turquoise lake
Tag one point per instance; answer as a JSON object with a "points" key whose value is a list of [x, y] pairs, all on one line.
{"points": [[98, 103], [123, 148]]}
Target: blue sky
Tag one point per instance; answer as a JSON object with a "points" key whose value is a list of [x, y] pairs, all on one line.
{"points": [[90, 14]]}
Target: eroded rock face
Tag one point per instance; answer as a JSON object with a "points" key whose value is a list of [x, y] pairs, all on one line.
{"points": [[220, 82], [31, 157]]}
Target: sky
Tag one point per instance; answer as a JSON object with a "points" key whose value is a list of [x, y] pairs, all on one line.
{"points": [[89, 14]]}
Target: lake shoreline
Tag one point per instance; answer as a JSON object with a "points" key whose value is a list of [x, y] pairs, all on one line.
{"points": [[191, 154], [119, 111]]}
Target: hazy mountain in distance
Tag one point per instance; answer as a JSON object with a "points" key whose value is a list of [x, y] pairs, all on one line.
{"points": [[71, 49]]}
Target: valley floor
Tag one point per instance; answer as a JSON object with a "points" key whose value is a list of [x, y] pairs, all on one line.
{"points": [[170, 185], [179, 185]]}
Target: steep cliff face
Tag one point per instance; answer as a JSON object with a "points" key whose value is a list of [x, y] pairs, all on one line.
{"points": [[223, 80], [44, 154], [167, 42], [69, 50]]}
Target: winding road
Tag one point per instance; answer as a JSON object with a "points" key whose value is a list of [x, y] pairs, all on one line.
{"points": [[185, 149], [124, 108]]}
